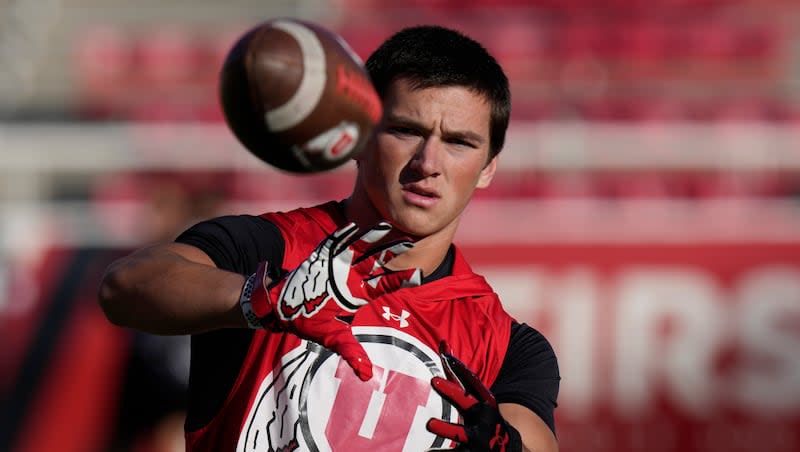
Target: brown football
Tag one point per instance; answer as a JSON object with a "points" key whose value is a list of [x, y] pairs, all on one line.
{"points": [[297, 97]]}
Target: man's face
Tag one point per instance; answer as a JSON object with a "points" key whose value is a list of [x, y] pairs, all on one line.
{"points": [[427, 157]]}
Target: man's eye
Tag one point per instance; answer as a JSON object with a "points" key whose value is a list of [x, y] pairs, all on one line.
{"points": [[402, 130], [462, 143]]}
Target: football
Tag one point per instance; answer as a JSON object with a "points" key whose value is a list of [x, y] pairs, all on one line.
{"points": [[297, 97]]}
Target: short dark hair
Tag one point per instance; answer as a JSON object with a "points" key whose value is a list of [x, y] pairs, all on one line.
{"points": [[430, 56]]}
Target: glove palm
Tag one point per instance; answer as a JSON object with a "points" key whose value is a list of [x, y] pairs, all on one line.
{"points": [[483, 428]]}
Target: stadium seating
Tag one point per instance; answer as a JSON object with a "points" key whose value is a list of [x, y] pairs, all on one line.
{"points": [[700, 61], [554, 58]]}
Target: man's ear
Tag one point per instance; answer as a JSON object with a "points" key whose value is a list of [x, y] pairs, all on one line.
{"points": [[487, 173]]}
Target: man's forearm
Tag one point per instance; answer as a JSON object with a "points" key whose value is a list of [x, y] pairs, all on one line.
{"points": [[171, 289]]}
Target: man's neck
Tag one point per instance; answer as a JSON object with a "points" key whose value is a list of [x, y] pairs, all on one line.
{"points": [[427, 255], [428, 252]]}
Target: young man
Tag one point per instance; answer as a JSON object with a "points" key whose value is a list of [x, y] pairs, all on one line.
{"points": [[339, 337]]}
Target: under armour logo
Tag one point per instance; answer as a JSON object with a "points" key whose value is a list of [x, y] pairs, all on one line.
{"points": [[402, 318]]}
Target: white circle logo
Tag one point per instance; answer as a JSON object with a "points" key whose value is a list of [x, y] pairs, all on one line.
{"points": [[314, 401]]}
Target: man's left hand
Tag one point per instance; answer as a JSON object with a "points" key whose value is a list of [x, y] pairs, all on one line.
{"points": [[483, 428]]}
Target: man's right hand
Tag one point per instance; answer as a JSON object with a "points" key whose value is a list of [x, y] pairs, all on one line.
{"points": [[340, 276]]}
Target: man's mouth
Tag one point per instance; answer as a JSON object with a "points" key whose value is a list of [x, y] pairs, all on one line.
{"points": [[418, 190], [420, 196]]}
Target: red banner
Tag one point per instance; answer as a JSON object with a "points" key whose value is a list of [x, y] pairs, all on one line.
{"points": [[692, 347]]}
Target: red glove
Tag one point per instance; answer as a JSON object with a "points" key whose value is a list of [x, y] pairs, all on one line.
{"points": [[342, 274], [483, 428]]}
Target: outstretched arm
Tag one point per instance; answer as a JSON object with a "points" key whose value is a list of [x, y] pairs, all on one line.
{"points": [[175, 289], [171, 288]]}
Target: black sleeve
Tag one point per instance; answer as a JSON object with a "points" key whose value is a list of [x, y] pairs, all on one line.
{"points": [[238, 244], [529, 374]]}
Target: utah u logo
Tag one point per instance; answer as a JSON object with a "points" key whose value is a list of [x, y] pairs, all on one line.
{"points": [[313, 401], [388, 402]]}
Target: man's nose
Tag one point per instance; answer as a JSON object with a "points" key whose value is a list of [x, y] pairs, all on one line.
{"points": [[427, 159]]}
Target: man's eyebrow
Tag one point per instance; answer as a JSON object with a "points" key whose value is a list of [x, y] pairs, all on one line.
{"points": [[404, 121], [466, 135]]}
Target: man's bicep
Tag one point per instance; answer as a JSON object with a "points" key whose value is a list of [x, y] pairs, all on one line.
{"points": [[164, 253], [188, 252], [529, 376], [536, 435]]}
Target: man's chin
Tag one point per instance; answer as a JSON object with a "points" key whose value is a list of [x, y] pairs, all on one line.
{"points": [[415, 225]]}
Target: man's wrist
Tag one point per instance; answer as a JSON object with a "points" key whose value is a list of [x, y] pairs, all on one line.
{"points": [[255, 300], [246, 303]]}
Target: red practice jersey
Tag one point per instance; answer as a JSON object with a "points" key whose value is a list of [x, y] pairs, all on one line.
{"points": [[292, 394]]}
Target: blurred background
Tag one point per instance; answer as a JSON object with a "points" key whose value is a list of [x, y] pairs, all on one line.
{"points": [[646, 216]]}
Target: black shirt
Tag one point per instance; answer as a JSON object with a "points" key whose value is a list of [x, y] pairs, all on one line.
{"points": [[528, 376]]}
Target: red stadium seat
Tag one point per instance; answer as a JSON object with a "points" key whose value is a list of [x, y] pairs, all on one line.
{"points": [[784, 112], [736, 110], [514, 184], [641, 184], [603, 109], [758, 42], [710, 50], [161, 111], [568, 185], [643, 51], [103, 64], [644, 40], [657, 110], [364, 39], [210, 54], [523, 48], [730, 184], [581, 40], [536, 110], [103, 54], [210, 111], [167, 57], [272, 185]]}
